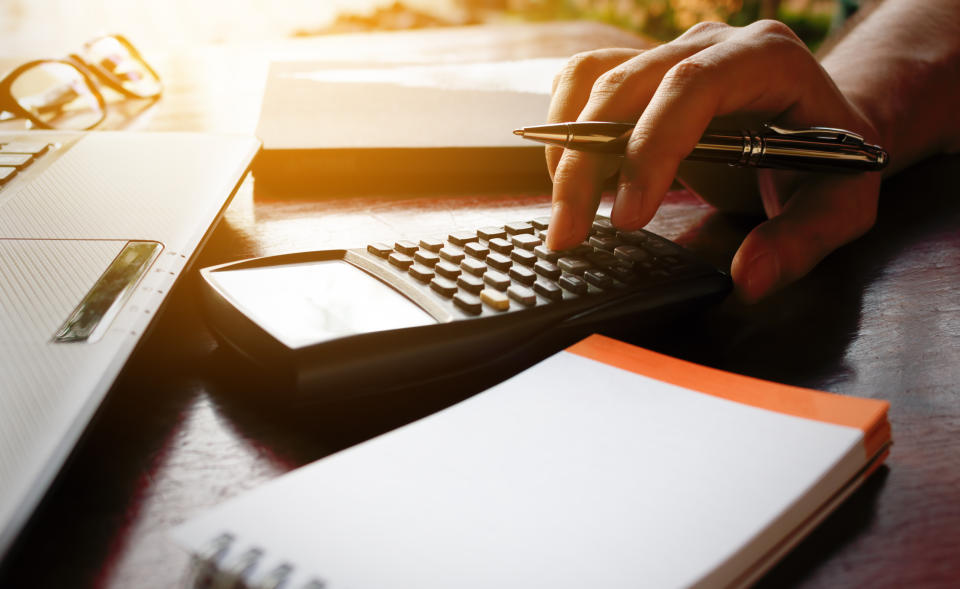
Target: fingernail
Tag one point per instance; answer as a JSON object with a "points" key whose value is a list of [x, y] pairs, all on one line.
{"points": [[627, 206], [561, 225], [763, 273]]}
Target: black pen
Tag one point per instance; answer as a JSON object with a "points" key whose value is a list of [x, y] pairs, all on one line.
{"points": [[816, 148]]}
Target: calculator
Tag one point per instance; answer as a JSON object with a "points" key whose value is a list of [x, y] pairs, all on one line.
{"points": [[350, 322]]}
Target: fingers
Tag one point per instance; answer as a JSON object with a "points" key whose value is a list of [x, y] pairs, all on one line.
{"points": [[823, 215]]}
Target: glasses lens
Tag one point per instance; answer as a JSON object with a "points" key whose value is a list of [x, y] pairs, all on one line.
{"points": [[120, 61], [58, 95]]}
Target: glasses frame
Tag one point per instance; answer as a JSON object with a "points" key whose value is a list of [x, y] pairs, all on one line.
{"points": [[90, 72]]}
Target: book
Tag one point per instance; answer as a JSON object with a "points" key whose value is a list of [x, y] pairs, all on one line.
{"points": [[604, 465], [335, 126]]}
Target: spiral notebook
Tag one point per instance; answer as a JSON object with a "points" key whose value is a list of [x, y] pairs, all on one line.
{"points": [[605, 465]]}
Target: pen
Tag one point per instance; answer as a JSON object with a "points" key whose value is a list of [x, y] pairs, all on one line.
{"points": [[815, 148]]}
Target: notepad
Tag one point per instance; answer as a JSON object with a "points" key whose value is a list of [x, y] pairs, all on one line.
{"points": [[605, 465]]}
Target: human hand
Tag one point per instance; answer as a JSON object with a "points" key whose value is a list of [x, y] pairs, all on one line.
{"points": [[673, 92]]}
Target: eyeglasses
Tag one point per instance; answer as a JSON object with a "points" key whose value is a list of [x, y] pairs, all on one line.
{"points": [[65, 93]]}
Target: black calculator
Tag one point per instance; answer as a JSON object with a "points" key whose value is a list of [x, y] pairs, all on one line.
{"points": [[349, 322]]}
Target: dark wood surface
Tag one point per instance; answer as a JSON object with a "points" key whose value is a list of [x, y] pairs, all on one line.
{"points": [[189, 424]]}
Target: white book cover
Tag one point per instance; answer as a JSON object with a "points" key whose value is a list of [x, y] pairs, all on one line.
{"points": [[603, 466]]}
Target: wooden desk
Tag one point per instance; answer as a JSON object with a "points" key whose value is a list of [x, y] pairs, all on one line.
{"points": [[188, 425]]}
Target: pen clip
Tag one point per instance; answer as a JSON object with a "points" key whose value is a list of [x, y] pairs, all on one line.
{"points": [[822, 133]]}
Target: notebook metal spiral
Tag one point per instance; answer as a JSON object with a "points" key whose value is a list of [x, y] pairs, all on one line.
{"points": [[224, 566]]}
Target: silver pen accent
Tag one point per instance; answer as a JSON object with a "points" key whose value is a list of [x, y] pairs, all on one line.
{"points": [[817, 148]]}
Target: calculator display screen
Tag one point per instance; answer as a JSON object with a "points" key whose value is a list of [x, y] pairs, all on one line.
{"points": [[313, 302]]}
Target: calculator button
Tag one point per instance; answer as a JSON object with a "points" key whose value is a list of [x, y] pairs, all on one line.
{"points": [[633, 237], [545, 253], [399, 260], [545, 268], [499, 261], [451, 254], [598, 278], [604, 242], [468, 303], [432, 245], [659, 247], [475, 267], [573, 265], [421, 273], [548, 290], [406, 247], [15, 160], [540, 223], [523, 275], [525, 241], [574, 284], [519, 227], [522, 295], [527, 258], [426, 257], [625, 275], [602, 226], [470, 283], [631, 254], [381, 250], [497, 280], [489, 233], [447, 269], [24, 147], [477, 250], [443, 286], [501, 245], [462, 238], [6, 173], [602, 259], [495, 299]]}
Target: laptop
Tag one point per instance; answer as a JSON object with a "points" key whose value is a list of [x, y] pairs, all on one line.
{"points": [[95, 229]]}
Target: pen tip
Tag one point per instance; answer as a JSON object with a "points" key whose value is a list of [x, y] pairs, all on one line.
{"points": [[518, 132]]}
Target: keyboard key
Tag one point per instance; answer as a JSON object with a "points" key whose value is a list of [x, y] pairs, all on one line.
{"points": [[525, 241], [546, 269], [518, 227], [604, 242], [523, 275], [489, 233], [406, 247], [402, 261], [421, 273], [602, 226], [496, 299], [452, 254], [470, 283], [432, 245], [462, 238], [573, 283], [527, 258], [637, 237], [573, 265], [545, 253], [659, 247], [548, 290], [602, 259], [522, 295], [625, 275], [501, 245], [477, 250], [381, 250], [598, 278], [473, 266], [34, 149], [497, 280], [540, 223], [15, 160], [468, 303], [6, 173], [499, 261], [631, 254], [447, 270], [426, 257], [443, 286]]}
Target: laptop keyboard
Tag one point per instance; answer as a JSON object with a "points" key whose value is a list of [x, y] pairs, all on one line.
{"points": [[16, 156]]}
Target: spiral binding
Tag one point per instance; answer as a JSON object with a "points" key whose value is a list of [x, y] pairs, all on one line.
{"points": [[222, 566]]}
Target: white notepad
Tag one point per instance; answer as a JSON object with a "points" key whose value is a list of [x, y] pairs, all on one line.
{"points": [[603, 466]]}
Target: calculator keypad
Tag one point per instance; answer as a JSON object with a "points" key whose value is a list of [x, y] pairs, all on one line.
{"points": [[498, 269]]}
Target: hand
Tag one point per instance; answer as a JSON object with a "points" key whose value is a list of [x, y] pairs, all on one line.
{"points": [[674, 91]]}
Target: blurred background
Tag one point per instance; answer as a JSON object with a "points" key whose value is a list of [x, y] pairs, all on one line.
{"points": [[27, 24]]}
